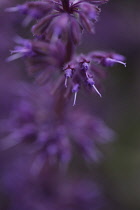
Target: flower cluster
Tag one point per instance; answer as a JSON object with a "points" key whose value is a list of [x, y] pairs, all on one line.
{"points": [[58, 28], [83, 71], [62, 19], [42, 58]]}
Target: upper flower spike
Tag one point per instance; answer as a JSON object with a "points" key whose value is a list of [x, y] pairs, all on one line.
{"points": [[59, 26], [61, 19]]}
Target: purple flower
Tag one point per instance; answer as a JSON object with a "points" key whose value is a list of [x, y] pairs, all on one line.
{"points": [[59, 28], [82, 71], [107, 59], [88, 132], [35, 9], [43, 59], [23, 49]]}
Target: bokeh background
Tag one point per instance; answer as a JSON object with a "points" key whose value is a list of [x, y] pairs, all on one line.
{"points": [[119, 30]]}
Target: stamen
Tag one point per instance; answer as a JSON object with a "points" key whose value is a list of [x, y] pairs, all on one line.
{"points": [[14, 57], [12, 9], [75, 90], [66, 81], [75, 97], [68, 74], [96, 90], [116, 61]]}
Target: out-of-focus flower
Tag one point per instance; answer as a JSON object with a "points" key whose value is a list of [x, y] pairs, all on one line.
{"points": [[23, 49], [42, 58], [89, 132], [61, 19], [41, 193], [107, 59], [40, 51], [34, 121], [81, 194]]}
